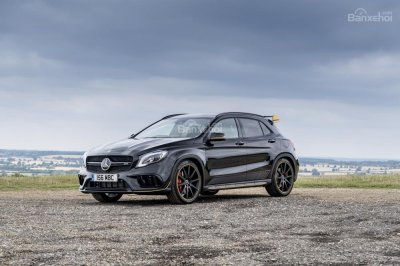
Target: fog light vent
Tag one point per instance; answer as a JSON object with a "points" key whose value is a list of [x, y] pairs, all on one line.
{"points": [[149, 181]]}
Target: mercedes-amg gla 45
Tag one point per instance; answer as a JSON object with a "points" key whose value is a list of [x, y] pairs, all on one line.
{"points": [[184, 156]]}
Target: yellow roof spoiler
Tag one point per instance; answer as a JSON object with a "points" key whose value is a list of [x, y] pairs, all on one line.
{"points": [[273, 118]]}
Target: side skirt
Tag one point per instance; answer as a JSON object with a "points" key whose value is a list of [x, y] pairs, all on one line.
{"points": [[257, 183]]}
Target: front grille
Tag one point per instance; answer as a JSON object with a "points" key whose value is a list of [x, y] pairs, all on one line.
{"points": [[108, 186], [113, 158], [120, 163]]}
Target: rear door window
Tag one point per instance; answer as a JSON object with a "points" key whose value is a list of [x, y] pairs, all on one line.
{"points": [[251, 128]]}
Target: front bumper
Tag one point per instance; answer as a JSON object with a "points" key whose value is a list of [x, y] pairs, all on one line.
{"points": [[151, 178]]}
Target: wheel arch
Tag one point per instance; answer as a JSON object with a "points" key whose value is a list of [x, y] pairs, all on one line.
{"points": [[197, 161], [293, 161]]}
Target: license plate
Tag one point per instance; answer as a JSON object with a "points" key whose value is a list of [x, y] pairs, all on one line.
{"points": [[106, 177]]}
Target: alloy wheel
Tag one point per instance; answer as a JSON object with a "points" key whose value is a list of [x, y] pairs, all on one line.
{"points": [[284, 177], [188, 182]]}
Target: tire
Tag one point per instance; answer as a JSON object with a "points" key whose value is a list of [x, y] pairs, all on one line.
{"points": [[209, 192], [282, 179], [107, 197], [185, 184]]}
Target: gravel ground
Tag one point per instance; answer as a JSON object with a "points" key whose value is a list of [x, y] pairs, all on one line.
{"points": [[237, 227]]}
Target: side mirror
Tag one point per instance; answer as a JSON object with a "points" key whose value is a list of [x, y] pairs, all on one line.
{"points": [[216, 136]]}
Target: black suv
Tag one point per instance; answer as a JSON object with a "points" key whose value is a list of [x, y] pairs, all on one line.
{"points": [[187, 155]]}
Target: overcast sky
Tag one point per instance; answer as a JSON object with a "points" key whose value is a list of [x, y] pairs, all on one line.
{"points": [[75, 74]]}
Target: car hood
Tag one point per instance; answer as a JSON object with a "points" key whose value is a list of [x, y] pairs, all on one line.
{"points": [[132, 146]]}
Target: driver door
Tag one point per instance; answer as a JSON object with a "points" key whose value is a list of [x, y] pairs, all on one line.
{"points": [[226, 158]]}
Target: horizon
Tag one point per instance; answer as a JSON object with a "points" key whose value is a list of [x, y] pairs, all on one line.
{"points": [[300, 157]]}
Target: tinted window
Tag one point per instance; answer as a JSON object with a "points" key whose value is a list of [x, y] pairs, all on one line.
{"points": [[265, 129], [228, 127], [175, 128], [251, 128]]}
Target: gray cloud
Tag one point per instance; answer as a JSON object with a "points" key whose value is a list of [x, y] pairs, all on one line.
{"points": [[66, 60]]}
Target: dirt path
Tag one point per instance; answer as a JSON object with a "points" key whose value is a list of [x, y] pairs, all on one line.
{"points": [[237, 227]]}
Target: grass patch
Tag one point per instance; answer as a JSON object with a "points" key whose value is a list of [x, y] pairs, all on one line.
{"points": [[39, 182], [65, 182], [350, 181]]}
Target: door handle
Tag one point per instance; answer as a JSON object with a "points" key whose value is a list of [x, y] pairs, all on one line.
{"points": [[271, 141], [239, 143]]}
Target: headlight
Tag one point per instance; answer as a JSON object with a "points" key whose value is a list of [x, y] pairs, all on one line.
{"points": [[152, 157], [84, 159]]}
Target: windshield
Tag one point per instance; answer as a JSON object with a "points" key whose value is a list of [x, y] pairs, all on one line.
{"points": [[175, 128]]}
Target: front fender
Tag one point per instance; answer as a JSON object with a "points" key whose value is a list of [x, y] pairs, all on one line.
{"points": [[196, 155]]}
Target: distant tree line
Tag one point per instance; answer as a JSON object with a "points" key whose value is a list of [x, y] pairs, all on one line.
{"points": [[349, 163], [33, 153]]}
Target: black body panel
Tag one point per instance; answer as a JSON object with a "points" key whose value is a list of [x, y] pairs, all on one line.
{"points": [[243, 160]]}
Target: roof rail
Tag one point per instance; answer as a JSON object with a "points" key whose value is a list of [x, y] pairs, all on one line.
{"points": [[237, 113], [169, 116]]}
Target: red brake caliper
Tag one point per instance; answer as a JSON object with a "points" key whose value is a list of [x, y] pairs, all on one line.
{"points": [[180, 182]]}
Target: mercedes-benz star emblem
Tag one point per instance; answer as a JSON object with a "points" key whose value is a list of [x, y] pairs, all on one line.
{"points": [[105, 164]]}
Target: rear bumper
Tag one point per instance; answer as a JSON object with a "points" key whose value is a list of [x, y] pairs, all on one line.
{"points": [[296, 170]]}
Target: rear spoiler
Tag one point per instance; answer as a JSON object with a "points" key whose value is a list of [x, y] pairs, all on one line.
{"points": [[272, 118]]}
